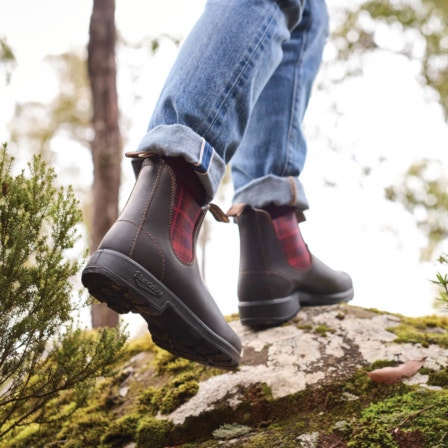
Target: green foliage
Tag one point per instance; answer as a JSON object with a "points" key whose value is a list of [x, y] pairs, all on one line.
{"points": [[421, 21], [422, 190], [7, 58], [42, 354], [69, 113], [442, 280], [86, 433], [417, 30]]}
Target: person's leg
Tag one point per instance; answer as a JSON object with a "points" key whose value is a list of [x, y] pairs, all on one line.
{"points": [[146, 263], [277, 271], [224, 64], [272, 153]]}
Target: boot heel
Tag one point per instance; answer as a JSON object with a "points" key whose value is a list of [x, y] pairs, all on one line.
{"points": [[125, 286], [268, 313], [114, 279]]}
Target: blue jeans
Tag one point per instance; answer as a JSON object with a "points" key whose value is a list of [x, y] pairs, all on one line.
{"points": [[238, 92]]}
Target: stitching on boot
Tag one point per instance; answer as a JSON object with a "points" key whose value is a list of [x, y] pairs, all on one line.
{"points": [[145, 211], [160, 170]]}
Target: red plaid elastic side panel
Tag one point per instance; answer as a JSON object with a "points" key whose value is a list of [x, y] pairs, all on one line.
{"points": [[291, 240], [186, 214]]}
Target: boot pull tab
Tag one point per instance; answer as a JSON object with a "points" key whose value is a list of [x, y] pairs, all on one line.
{"points": [[300, 216], [217, 213], [139, 154], [236, 210]]}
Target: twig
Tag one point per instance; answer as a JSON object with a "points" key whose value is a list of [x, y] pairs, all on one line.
{"points": [[411, 416]]}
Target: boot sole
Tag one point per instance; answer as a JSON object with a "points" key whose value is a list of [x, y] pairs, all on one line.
{"points": [[269, 313], [307, 299], [274, 312], [125, 286]]}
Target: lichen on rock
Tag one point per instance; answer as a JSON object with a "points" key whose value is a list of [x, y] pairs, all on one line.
{"points": [[306, 377]]}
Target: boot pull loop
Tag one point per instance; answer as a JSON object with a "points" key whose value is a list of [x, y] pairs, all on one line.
{"points": [[139, 154], [217, 213], [300, 216], [236, 210]]}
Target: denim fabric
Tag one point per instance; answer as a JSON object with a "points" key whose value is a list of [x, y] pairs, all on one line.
{"points": [[216, 91], [272, 153]]}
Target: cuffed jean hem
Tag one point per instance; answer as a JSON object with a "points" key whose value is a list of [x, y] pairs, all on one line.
{"points": [[180, 141], [272, 189]]}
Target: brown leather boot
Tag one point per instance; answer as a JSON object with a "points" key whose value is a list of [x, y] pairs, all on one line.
{"points": [[271, 286], [146, 264]]}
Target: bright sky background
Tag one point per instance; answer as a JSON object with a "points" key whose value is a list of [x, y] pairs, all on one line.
{"points": [[351, 227]]}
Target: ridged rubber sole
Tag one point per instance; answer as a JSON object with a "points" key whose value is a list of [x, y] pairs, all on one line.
{"points": [[125, 286], [269, 313]]}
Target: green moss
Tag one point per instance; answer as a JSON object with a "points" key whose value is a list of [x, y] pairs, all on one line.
{"points": [[153, 433], [138, 345], [163, 360], [439, 378], [266, 391], [27, 437], [232, 317], [373, 310], [356, 412], [167, 363], [179, 382], [169, 397], [323, 330], [304, 327], [374, 437], [425, 330], [421, 412], [176, 393], [121, 432], [84, 431]]}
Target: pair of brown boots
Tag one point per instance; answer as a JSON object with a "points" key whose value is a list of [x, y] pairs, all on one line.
{"points": [[146, 264]]}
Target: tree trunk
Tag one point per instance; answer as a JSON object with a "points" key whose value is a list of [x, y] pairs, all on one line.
{"points": [[106, 144]]}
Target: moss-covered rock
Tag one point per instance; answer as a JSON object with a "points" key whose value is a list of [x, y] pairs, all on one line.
{"points": [[303, 384], [121, 432], [152, 433]]}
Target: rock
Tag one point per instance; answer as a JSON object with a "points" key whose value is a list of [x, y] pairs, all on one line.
{"points": [[321, 346], [303, 384]]}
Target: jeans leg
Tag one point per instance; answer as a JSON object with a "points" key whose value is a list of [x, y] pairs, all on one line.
{"points": [[222, 68], [272, 154]]}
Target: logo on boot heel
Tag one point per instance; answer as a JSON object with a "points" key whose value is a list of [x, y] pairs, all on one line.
{"points": [[147, 284]]}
